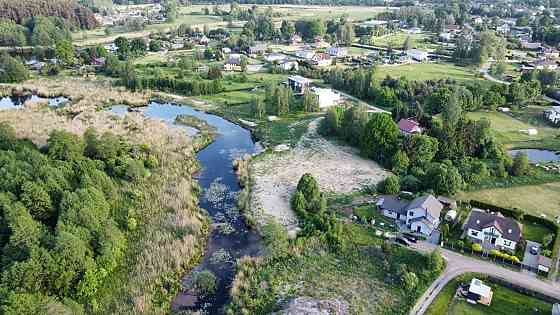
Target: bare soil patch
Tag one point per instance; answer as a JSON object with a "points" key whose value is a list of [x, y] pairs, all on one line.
{"points": [[337, 168]]}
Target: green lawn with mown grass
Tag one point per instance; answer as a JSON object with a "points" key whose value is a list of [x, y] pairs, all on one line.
{"points": [[508, 128], [505, 301], [396, 40], [426, 71], [535, 232]]}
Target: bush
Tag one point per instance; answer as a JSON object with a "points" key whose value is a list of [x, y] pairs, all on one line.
{"points": [[390, 185], [476, 247], [204, 282]]}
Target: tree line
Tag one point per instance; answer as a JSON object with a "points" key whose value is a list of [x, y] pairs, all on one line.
{"points": [[35, 31], [73, 13], [65, 215]]}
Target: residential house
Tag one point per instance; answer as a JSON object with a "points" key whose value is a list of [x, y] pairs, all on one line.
{"points": [[257, 49], [298, 84], [99, 61], [553, 114], [321, 60], [289, 65], [338, 52], [445, 37], [420, 215], [530, 45], [275, 57], [479, 292], [477, 20], [409, 126], [418, 55], [233, 63], [305, 54], [326, 97], [226, 50], [504, 28], [203, 40], [492, 230], [545, 64], [296, 39]]}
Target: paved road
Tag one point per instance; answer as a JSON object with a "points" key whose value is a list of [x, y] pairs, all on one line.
{"points": [[458, 264]]}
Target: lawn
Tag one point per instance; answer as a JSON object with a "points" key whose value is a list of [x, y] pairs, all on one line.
{"points": [[534, 199], [504, 301], [507, 128], [396, 40], [426, 71], [535, 232]]}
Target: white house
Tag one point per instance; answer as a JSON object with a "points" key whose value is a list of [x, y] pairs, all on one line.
{"points": [[289, 65], [414, 30], [233, 63], [479, 292], [420, 215], [338, 52], [553, 114], [446, 36], [418, 55], [275, 57], [298, 84], [305, 54], [493, 230], [322, 60], [326, 97]]}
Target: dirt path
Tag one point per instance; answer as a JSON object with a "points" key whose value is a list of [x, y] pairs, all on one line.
{"points": [[337, 169]]}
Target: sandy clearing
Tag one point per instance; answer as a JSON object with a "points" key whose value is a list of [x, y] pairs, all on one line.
{"points": [[337, 169]]}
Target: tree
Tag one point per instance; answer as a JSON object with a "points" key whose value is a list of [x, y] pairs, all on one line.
{"points": [[310, 101], [520, 165], [436, 262], [12, 34], [65, 146], [421, 148], [547, 240], [443, 178], [170, 10], [258, 107], [299, 204], [155, 45], [400, 162], [12, 70], [123, 47], [345, 34], [138, 46], [36, 199], [64, 52], [379, 140], [287, 29], [407, 43], [309, 187], [330, 125], [390, 185], [204, 282], [410, 281]]}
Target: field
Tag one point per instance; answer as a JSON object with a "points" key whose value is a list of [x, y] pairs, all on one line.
{"points": [[396, 40], [505, 301], [535, 232], [426, 71], [298, 12], [535, 199], [508, 128]]}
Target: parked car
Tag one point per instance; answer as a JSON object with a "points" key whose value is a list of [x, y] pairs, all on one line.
{"points": [[402, 241], [534, 250], [410, 237]]}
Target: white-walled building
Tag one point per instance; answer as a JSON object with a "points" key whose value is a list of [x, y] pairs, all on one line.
{"points": [[418, 55], [420, 215], [338, 52], [553, 114], [326, 97], [493, 230]]}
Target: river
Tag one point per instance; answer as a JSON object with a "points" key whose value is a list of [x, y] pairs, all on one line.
{"points": [[231, 239]]}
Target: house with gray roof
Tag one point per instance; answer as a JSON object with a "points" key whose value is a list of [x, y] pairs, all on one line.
{"points": [[492, 230], [420, 215]]}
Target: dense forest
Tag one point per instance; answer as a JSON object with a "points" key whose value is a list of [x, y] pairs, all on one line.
{"points": [[64, 217], [73, 13]]}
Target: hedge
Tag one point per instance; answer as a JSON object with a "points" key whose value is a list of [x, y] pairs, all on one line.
{"points": [[518, 214]]}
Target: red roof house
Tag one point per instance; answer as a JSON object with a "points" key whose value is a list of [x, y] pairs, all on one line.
{"points": [[409, 126]]}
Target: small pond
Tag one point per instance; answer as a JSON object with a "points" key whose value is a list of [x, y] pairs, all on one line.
{"points": [[231, 239], [16, 102], [537, 155]]}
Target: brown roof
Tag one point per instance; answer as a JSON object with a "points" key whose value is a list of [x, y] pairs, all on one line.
{"points": [[509, 228]]}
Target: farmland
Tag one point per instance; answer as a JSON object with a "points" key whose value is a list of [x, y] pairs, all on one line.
{"points": [[426, 71]]}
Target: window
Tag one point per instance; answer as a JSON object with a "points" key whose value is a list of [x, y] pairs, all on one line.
{"points": [[507, 243], [411, 213], [474, 233]]}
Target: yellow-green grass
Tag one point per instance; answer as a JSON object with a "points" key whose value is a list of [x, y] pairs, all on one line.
{"points": [[508, 130], [298, 12], [535, 199], [504, 301], [397, 40], [426, 71]]}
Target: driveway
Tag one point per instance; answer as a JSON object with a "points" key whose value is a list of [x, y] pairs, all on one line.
{"points": [[529, 259], [458, 264]]}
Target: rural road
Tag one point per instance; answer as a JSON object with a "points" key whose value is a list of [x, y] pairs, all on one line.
{"points": [[484, 70], [458, 264]]}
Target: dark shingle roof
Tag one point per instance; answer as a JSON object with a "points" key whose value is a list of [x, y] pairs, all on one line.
{"points": [[395, 204], [509, 228]]}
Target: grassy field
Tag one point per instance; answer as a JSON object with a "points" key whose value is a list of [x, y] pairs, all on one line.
{"points": [[426, 71], [535, 199], [535, 232], [507, 128], [505, 301], [396, 40]]}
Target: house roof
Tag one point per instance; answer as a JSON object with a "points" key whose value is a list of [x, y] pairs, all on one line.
{"points": [[430, 203], [395, 204], [408, 125], [480, 220], [479, 288], [299, 79]]}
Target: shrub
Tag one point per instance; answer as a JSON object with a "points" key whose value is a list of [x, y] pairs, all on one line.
{"points": [[204, 282], [390, 185], [476, 247]]}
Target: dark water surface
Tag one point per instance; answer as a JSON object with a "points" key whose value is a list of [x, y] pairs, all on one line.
{"points": [[16, 102], [231, 239], [537, 155]]}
